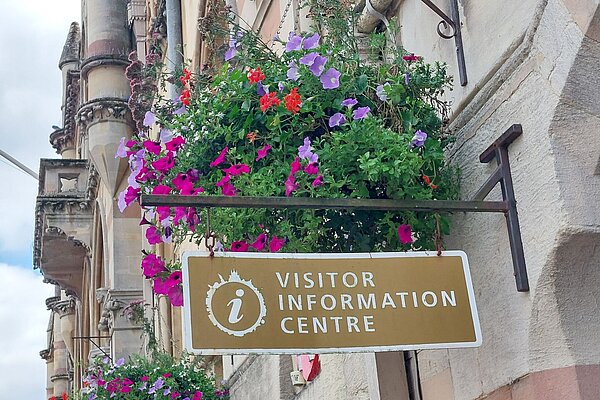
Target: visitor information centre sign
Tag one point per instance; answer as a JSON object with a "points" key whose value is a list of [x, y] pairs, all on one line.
{"points": [[237, 303]]}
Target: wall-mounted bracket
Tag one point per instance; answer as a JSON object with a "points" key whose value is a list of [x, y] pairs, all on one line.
{"points": [[498, 150], [451, 23]]}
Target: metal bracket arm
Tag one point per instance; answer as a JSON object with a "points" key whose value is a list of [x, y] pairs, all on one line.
{"points": [[453, 23], [497, 150]]}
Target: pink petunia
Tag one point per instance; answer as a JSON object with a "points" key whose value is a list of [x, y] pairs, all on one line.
{"points": [[276, 244], [290, 185], [152, 147], [237, 169], [240, 245], [161, 189], [228, 189], [173, 279], [312, 168], [152, 265], [165, 163], [260, 242], [176, 296], [159, 286], [220, 158], [175, 144], [295, 166], [262, 153], [318, 181], [153, 235], [405, 234]]}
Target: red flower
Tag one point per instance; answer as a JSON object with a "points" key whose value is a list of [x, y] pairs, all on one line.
{"points": [[255, 75], [64, 396], [187, 75], [268, 100], [292, 101], [185, 97], [428, 182], [411, 58]]}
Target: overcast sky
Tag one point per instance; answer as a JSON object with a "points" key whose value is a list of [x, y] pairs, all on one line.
{"points": [[32, 34]]}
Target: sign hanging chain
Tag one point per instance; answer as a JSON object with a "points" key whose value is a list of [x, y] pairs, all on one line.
{"points": [[283, 18], [209, 237]]}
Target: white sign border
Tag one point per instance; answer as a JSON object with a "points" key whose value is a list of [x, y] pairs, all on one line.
{"points": [[187, 320]]}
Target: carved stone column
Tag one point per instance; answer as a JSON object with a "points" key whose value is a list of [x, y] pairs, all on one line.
{"points": [[125, 333], [61, 364]]}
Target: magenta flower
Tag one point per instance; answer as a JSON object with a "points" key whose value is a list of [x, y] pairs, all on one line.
{"points": [[152, 147], [237, 169], [290, 185], [159, 286], [182, 182], [295, 166], [294, 42], [240, 245], [197, 395], [164, 164], [173, 279], [223, 181], [262, 153], [152, 265], [149, 119], [312, 168], [175, 144], [163, 212], [220, 158], [318, 181], [228, 189], [260, 242], [276, 244], [176, 296], [419, 139], [330, 79], [128, 196], [161, 189], [405, 234], [292, 72], [153, 235], [349, 102], [337, 119], [360, 112], [180, 213], [311, 41]]}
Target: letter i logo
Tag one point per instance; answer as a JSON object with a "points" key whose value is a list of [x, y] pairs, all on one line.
{"points": [[235, 305]]}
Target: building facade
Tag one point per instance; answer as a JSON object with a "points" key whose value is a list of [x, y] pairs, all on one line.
{"points": [[529, 62]]}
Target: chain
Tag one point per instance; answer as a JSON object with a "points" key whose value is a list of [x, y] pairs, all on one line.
{"points": [[210, 246], [283, 18]]}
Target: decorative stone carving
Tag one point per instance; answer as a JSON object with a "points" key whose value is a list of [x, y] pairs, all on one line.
{"points": [[101, 109], [113, 302], [45, 354], [64, 307]]}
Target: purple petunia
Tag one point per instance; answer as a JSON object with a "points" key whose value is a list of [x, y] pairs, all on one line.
{"points": [[121, 150], [360, 112], [330, 79], [419, 139], [349, 102], [305, 151], [294, 42], [149, 118], [311, 41], [380, 91], [230, 53], [315, 62], [292, 73], [337, 119], [406, 78], [261, 90]]}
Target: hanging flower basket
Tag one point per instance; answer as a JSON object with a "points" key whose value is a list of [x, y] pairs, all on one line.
{"points": [[307, 117]]}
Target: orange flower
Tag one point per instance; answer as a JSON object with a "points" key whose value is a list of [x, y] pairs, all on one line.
{"points": [[187, 75], [255, 75], [269, 100], [293, 101], [251, 137], [428, 182]]}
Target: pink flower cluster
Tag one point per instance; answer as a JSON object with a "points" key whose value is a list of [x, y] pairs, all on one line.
{"points": [[164, 281], [259, 244]]}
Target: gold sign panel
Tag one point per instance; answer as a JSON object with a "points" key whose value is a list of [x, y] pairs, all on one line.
{"points": [[238, 303]]}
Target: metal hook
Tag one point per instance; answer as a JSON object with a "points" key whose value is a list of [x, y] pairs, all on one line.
{"points": [[210, 246]]}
